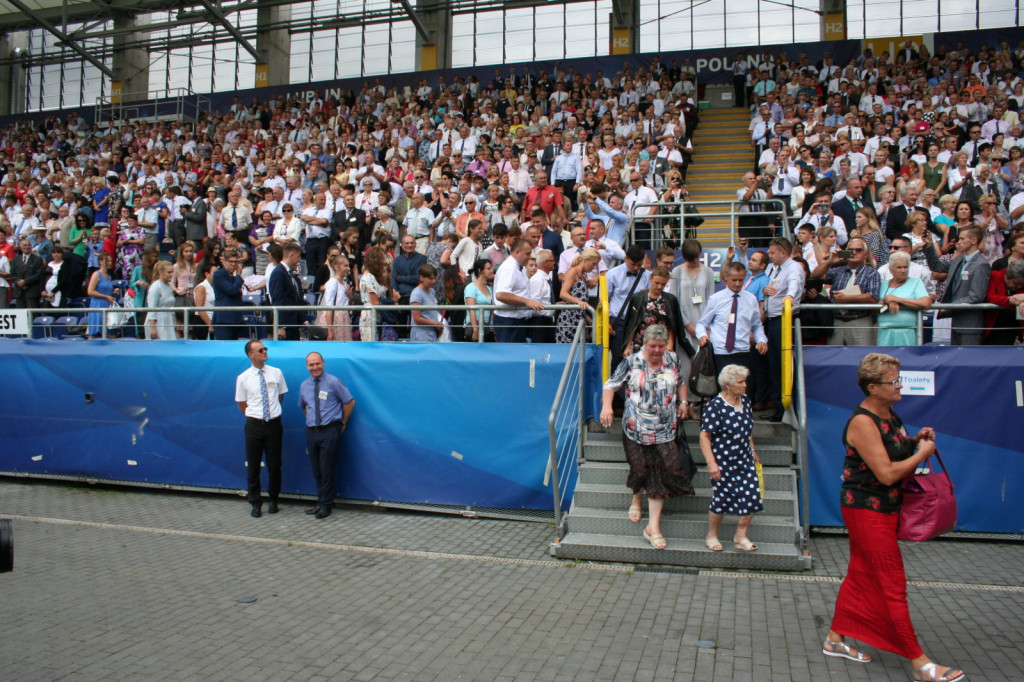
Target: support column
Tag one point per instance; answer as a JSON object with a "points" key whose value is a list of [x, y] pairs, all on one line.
{"points": [[435, 53], [624, 36], [833, 19], [12, 76], [130, 65], [274, 46]]}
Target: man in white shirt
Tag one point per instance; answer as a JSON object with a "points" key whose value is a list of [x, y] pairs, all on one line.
{"points": [[259, 392], [512, 288], [640, 194], [611, 253], [419, 223], [372, 170], [544, 289]]}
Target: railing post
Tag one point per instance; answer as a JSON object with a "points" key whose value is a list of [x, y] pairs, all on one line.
{"points": [[920, 327], [103, 324], [276, 325], [480, 324], [184, 324]]}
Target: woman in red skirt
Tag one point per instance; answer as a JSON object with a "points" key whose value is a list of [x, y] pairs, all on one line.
{"points": [[872, 601]]}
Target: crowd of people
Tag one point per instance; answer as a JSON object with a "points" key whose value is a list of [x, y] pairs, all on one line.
{"points": [[902, 176]]}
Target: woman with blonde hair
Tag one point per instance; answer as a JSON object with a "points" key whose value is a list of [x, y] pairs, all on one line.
{"points": [[336, 293], [574, 291], [870, 231], [372, 286]]}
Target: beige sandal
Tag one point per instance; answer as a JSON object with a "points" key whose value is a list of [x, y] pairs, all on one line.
{"points": [[636, 513], [657, 540]]}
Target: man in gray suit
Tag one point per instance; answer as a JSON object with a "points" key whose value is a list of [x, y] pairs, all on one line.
{"points": [[966, 282], [195, 217]]}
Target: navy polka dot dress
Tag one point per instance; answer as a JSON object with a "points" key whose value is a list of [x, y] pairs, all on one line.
{"points": [[736, 491]]}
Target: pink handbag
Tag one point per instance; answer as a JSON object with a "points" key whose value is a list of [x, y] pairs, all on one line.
{"points": [[929, 505]]}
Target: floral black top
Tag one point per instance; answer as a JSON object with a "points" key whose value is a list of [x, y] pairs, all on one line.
{"points": [[655, 312], [861, 489]]}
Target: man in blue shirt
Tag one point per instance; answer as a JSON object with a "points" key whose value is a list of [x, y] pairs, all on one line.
{"points": [[732, 316], [327, 405], [853, 281], [567, 172], [623, 281]]}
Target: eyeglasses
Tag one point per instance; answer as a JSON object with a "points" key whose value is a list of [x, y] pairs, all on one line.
{"points": [[259, 350], [858, 250], [893, 247], [894, 383]]}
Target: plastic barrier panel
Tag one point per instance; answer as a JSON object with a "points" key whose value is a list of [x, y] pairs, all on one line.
{"points": [[448, 424], [972, 397]]}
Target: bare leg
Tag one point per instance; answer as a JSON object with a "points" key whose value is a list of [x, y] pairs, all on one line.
{"points": [[655, 507], [741, 527], [714, 524]]}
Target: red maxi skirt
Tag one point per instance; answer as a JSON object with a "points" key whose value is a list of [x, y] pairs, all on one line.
{"points": [[872, 602]]}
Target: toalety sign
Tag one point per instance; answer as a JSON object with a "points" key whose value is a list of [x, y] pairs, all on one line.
{"points": [[918, 383]]}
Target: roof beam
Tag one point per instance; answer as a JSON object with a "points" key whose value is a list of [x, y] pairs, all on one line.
{"points": [[417, 22], [64, 38], [235, 33]]}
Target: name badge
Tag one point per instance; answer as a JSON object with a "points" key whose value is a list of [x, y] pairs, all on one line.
{"points": [[732, 319], [696, 300], [323, 395], [964, 276], [271, 384]]}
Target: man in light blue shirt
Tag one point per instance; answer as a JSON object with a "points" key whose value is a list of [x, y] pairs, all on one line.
{"points": [[567, 173], [614, 219], [731, 318], [623, 281]]}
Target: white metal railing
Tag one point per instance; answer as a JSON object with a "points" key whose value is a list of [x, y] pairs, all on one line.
{"points": [[565, 427], [668, 223], [919, 324]]}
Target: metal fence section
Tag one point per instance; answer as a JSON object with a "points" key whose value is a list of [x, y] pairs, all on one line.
{"points": [[657, 224], [924, 318], [565, 428], [801, 446]]}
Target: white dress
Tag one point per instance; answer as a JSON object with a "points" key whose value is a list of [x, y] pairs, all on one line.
{"points": [[161, 295], [368, 318]]}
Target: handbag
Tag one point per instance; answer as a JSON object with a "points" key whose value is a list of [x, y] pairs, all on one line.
{"points": [[929, 505], [685, 456], [703, 379]]}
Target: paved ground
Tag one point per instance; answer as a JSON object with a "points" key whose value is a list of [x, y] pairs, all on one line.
{"points": [[113, 584]]}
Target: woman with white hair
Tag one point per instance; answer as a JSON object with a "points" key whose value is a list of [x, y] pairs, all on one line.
{"points": [[903, 297], [726, 426], [656, 398], [386, 221]]}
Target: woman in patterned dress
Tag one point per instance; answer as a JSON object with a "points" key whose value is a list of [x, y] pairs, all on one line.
{"points": [[130, 243], [574, 291], [725, 439], [655, 398], [372, 286]]}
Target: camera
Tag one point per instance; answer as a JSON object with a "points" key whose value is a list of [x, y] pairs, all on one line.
{"points": [[822, 208]]}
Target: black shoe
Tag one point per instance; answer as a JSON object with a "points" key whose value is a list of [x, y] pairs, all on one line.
{"points": [[323, 513], [272, 508], [257, 510], [312, 510]]}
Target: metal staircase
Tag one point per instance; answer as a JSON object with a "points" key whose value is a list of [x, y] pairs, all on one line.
{"points": [[597, 527]]}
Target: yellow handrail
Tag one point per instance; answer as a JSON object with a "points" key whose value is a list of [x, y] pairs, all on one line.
{"points": [[603, 325], [787, 353]]}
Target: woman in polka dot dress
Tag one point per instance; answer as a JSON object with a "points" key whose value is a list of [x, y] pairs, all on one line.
{"points": [[725, 439]]}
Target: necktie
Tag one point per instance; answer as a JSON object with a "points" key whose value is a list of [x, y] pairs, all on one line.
{"points": [[234, 218], [263, 397], [316, 398], [781, 184], [730, 333], [822, 220]]}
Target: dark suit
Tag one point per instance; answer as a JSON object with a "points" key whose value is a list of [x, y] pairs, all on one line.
{"points": [[285, 289], [967, 283], [195, 222], [228, 291], [355, 218], [552, 241], [32, 271], [845, 210], [895, 223], [547, 157]]}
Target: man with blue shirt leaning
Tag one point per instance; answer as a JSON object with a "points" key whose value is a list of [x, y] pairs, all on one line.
{"points": [[785, 282], [328, 406], [732, 316], [623, 281], [259, 391]]}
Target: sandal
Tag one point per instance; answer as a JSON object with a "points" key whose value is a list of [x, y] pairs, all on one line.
{"points": [[929, 672], [657, 540], [636, 513], [713, 544], [744, 545], [844, 650]]}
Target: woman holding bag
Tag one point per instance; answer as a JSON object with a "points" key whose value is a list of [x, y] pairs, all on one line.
{"points": [[872, 601]]}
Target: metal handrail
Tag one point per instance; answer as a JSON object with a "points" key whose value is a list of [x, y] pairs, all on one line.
{"points": [[801, 444], [274, 310], [787, 353], [919, 325], [604, 338], [555, 473], [771, 207]]}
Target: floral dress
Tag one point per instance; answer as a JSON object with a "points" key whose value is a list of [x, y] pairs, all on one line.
{"points": [[368, 318], [860, 488], [568, 320], [654, 313], [129, 255]]}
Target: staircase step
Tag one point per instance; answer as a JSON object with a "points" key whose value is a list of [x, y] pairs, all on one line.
{"points": [[611, 473], [612, 451], [635, 549], [691, 526], [606, 496], [770, 433]]}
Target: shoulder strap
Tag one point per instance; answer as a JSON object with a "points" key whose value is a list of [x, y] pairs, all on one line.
{"points": [[625, 304]]}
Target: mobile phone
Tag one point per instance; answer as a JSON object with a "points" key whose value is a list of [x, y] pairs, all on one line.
{"points": [[845, 253]]}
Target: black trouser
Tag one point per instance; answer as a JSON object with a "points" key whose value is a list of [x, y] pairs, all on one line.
{"points": [[316, 252], [510, 329], [542, 329], [569, 194], [741, 359], [773, 329], [757, 388], [618, 325], [739, 87], [226, 332], [263, 438], [404, 325], [77, 265], [642, 236], [323, 443]]}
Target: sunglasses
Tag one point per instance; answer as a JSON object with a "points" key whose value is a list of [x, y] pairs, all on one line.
{"points": [[858, 250]]}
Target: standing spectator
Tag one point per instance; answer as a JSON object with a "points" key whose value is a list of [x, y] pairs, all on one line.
{"points": [[512, 289], [372, 289], [853, 281], [101, 295], [426, 325], [732, 317], [904, 297], [872, 601], [27, 276], [227, 287], [259, 391], [286, 290], [967, 282], [785, 282], [692, 283], [160, 324], [328, 406]]}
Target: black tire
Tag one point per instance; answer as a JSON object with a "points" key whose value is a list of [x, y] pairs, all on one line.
{"points": [[6, 546]]}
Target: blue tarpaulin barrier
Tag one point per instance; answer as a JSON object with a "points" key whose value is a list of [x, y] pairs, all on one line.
{"points": [[446, 424], [972, 397]]}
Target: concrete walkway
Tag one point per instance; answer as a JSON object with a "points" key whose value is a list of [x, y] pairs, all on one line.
{"points": [[115, 584]]}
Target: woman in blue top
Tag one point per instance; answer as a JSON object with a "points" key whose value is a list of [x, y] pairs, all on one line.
{"points": [[655, 398], [903, 297], [479, 292], [100, 290]]}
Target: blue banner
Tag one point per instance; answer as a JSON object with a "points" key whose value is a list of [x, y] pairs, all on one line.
{"points": [[972, 397], [449, 424]]}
